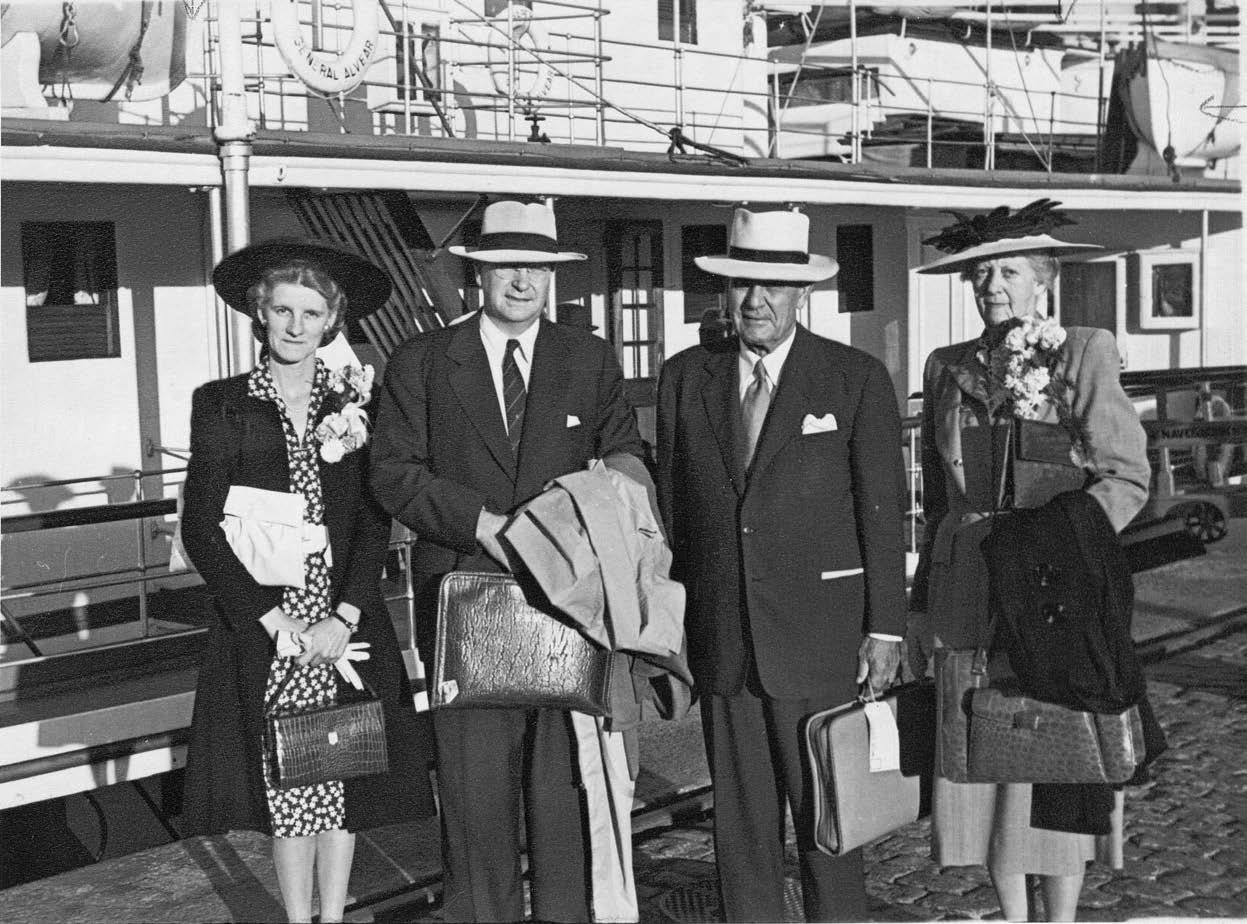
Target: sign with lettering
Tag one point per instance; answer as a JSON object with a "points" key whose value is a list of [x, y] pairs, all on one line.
{"points": [[1175, 433], [320, 70]]}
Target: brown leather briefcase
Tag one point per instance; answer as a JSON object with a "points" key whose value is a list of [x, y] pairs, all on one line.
{"points": [[495, 648], [852, 805]]}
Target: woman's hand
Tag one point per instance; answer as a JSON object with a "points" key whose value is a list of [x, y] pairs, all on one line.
{"points": [[325, 642], [275, 619]]}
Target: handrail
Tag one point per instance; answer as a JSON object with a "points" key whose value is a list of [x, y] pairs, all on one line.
{"points": [[87, 516], [1143, 381]]}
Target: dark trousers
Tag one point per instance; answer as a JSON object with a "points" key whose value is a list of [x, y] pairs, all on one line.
{"points": [[756, 753], [493, 765]]}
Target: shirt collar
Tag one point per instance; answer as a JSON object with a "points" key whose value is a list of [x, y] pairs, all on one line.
{"points": [[495, 339], [772, 362]]}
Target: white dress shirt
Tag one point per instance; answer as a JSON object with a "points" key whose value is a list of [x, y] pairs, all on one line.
{"points": [[495, 341], [772, 366]]}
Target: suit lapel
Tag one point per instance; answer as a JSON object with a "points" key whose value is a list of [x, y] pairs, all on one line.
{"points": [[545, 422], [969, 373], [720, 395], [789, 404], [474, 386]]}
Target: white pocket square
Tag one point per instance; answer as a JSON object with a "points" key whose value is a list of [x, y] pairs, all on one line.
{"points": [[824, 424], [843, 573], [573, 420]]}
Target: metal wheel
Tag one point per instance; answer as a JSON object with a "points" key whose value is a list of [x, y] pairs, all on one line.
{"points": [[1205, 521]]}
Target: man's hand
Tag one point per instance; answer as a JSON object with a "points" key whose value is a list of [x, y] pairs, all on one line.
{"points": [[919, 643], [488, 527], [878, 660]]}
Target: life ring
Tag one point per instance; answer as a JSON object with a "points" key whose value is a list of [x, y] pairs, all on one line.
{"points": [[532, 83], [320, 70]]}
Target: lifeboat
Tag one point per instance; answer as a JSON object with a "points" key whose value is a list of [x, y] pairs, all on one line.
{"points": [[1182, 100], [93, 51]]}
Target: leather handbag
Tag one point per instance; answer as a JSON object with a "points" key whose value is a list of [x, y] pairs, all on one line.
{"points": [[1016, 739], [958, 673], [497, 648], [852, 805], [324, 743]]}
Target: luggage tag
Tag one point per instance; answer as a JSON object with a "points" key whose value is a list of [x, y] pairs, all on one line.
{"points": [[885, 740], [448, 691]]}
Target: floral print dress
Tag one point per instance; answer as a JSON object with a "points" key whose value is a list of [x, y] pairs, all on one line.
{"points": [[305, 810]]}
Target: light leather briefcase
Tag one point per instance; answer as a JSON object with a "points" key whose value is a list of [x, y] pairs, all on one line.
{"points": [[497, 648], [852, 805]]}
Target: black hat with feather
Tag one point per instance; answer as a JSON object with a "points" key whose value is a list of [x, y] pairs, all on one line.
{"points": [[1000, 233]]}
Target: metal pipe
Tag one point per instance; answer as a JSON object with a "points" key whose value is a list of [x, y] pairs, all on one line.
{"points": [[1203, 287], [552, 299], [216, 247], [318, 25], [233, 135], [597, 76], [511, 72], [930, 117], [678, 52], [989, 100], [95, 754], [776, 113], [855, 129], [1099, 97], [408, 50]]}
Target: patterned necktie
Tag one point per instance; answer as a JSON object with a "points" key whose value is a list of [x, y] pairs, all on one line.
{"points": [[514, 396], [753, 409]]}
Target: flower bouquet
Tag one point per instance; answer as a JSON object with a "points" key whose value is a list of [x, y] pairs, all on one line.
{"points": [[345, 429]]}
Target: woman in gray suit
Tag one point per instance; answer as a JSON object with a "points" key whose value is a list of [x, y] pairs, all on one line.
{"points": [[1065, 383]]}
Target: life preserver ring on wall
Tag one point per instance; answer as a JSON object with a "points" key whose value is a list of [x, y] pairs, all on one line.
{"points": [[533, 75], [320, 70]]}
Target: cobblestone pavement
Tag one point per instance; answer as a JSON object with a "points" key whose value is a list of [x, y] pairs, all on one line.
{"points": [[1185, 850]]}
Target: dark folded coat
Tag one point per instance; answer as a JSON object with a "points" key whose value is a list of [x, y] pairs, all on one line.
{"points": [[1062, 598]]}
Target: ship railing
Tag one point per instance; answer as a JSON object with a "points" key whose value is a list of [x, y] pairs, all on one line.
{"points": [[146, 574], [432, 79]]}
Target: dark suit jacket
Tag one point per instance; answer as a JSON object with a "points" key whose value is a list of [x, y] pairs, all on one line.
{"points": [[440, 450], [770, 559], [238, 440]]}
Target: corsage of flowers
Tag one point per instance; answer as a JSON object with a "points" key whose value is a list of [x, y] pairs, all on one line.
{"points": [[1024, 363], [345, 429]]}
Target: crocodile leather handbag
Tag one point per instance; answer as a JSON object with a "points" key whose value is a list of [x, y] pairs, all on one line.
{"points": [[495, 648], [958, 673], [1016, 739], [852, 804], [335, 742]]}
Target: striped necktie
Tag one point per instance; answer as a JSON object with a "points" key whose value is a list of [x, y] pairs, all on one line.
{"points": [[753, 409], [514, 396]]}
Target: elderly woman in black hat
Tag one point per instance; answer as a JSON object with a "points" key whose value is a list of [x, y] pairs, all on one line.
{"points": [[1022, 369], [293, 609]]}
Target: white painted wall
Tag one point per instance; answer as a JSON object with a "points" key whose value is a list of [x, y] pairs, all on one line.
{"points": [[93, 417]]}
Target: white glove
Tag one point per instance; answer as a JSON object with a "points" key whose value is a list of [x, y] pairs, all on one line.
{"points": [[289, 644], [355, 651]]}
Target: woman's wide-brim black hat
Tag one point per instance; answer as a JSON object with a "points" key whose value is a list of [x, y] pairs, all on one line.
{"points": [[366, 285]]}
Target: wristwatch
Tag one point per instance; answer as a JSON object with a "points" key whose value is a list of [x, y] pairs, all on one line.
{"points": [[352, 626]]}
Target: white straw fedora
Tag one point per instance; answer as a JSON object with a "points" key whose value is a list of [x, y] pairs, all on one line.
{"points": [[770, 245], [999, 233], [517, 232]]}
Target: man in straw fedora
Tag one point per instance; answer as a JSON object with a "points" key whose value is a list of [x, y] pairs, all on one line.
{"points": [[780, 479], [476, 419]]}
